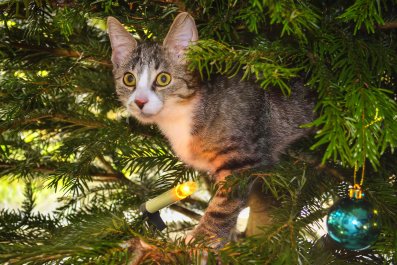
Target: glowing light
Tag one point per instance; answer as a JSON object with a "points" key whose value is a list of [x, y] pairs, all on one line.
{"points": [[20, 74], [9, 23], [185, 189], [42, 73], [169, 197]]}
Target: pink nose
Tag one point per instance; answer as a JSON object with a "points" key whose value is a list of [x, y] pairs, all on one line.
{"points": [[140, 102]]}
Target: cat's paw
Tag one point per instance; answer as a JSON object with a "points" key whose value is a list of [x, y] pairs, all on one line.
{"points": [[189, 238], [200, 256], [211, 241]]}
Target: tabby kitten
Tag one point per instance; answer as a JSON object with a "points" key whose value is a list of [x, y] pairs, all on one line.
{"points": [[222, 126]]}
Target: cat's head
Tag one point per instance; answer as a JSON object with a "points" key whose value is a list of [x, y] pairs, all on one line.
{"points": [[151, 78]]}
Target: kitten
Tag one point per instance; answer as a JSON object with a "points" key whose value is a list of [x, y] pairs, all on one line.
{"points": [[222, 126]]}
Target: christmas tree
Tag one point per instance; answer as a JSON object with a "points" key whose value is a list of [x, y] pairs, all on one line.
{"points": [[63, 130]]}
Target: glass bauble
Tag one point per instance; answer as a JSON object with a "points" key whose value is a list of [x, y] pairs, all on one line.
{"points": [[353, 223]]}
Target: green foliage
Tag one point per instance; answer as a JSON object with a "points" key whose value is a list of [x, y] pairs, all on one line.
{"points": [[364, 12], [348, 77], [263, 62], [61, 124], [296, 17]]}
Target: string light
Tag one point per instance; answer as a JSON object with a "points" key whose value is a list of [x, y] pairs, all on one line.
{"points": [[171, 196]]}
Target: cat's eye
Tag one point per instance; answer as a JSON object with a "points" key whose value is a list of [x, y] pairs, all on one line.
{"points": [[163, 79], [129, 80]]}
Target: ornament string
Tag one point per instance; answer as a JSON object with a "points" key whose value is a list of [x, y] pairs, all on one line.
{"points": [[375, 120], [356, 191], [353, 222]]}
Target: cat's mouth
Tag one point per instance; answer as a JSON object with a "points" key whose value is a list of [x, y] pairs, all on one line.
{"points": [[145, 117], [138, 113]]}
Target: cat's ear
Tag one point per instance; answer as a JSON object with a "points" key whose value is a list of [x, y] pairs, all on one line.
{"points": [[182, 32], [121, 40]]}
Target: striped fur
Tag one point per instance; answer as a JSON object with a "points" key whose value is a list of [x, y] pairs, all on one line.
{"points": [[222, 126]]}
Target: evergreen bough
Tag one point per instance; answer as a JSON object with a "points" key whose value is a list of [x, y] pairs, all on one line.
{"points": [[62, 126]]}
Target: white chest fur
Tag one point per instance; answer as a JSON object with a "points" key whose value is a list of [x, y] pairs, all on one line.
{"points": [[175, 121]]}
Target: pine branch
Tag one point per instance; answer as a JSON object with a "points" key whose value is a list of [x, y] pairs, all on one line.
{"points": [[49, 171], [317, 164], [39, 169], [57, 126], [55, 117], [119, 175], [62, 53], [263, 63], [388, 25], [189, 213], [139, 248]]}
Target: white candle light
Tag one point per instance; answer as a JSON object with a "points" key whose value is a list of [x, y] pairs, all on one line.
{"points": [[171, 196]]}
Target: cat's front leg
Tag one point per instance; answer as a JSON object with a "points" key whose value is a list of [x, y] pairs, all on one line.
{"points": [[220, 216]]}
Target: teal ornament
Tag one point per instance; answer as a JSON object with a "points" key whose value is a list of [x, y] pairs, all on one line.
{"points": [[353, 223]]}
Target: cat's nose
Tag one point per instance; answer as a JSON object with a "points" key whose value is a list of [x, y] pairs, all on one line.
{"points": [[140, 102]]}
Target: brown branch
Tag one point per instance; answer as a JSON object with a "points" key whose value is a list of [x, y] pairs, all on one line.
{"points": [[331, 171], [179, 3], [56, 117], [86, 123], [46, 170], [193, 201], [142, 251], [159, 254], [186, 212], [388, 25], [40, 169], [138, 248], [318, 165], [120, 176], [107, 165], [62, 53]]}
